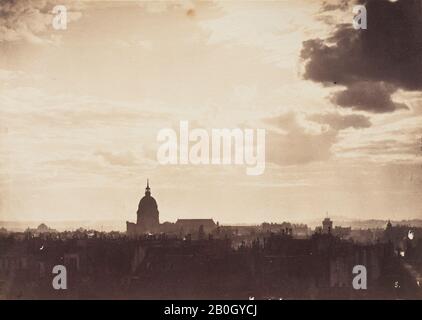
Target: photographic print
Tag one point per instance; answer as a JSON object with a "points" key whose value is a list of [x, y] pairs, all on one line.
{"points": [[211, 150]]}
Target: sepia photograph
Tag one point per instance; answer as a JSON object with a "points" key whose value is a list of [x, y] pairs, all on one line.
{"points": [[224, 150]]}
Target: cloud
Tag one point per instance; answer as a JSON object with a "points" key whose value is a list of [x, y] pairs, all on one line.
{"points": [[368, 96], [335, 5], [383, 150], [294, 145], [158, 7], [118, 159], [27, 19], [38, 108], [373, 62], [340, 122], [286, 122]]}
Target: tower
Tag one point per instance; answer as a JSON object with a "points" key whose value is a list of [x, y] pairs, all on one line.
{"points": [[327, 226], [388, 233]]}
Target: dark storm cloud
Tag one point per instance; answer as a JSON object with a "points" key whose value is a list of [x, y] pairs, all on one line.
{"points": [[377, 61]]}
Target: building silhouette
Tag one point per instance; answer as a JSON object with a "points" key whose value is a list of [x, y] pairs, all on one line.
{"points": [[327, 226], [147, 214], [148, 221]]}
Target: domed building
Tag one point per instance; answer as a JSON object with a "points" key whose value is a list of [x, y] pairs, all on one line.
{"points": [[148, 211], [148, 221], [147, 215]]}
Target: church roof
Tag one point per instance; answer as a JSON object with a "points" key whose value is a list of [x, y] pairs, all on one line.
{"points": [[207, 223]]}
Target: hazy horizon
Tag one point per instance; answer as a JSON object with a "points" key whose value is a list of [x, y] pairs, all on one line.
{"points": [[80, 109], [120, 226]]}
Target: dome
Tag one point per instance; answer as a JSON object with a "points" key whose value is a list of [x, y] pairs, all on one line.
{"points": [[147, 203], [148, 210]]}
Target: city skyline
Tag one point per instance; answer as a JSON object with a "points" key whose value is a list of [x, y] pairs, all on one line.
{"points": [[80, 109]]}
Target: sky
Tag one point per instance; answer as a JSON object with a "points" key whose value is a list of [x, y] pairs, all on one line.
{"points": [[80, 108]]}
